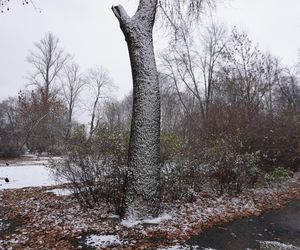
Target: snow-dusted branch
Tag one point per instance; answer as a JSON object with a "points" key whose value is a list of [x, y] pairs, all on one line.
{"points": [[120, 13]]}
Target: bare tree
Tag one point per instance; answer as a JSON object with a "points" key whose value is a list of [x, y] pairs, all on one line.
{"points": [[142, 196], [271, 77], [143, 190], [288, 92], [242, 71], [48, 60], [171, 112], [72, 85], [98, 81], [113, 115], [214, 43], [192, 62]]}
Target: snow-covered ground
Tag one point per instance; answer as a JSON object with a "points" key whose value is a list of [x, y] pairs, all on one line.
{"points": [[157, 220], [60, 191], [105, 241], [275, 245], [179, 247], [32, 173], [180, 221]]}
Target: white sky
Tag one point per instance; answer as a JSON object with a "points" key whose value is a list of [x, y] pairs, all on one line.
{"points": [[89, 30]]}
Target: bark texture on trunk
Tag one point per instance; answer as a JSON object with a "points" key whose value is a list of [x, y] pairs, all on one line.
{"points": [[143, 183]]}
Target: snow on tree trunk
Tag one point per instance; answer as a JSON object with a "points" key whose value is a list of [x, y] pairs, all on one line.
{"points": [[143, 188]]}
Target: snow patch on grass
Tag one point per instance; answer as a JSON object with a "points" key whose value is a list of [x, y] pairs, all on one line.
{"points": [[158, 220], [60, 191], [131, 222], [275, 245], [26, 176], [104, 241], [113, 216], [28, 173], [179, 247]]}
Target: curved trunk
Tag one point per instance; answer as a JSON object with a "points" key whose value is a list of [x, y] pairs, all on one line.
{"points": [[143, 189]]}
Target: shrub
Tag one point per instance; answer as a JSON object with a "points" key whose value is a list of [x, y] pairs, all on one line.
{"points": [[170, 146], [278, 175], [231, 171], [182, 176], [9, 146], [182, 179], [95, 167]]}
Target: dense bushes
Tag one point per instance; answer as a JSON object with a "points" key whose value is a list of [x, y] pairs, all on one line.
{"points": [[221, 169], [96, 166], [183, 179], [278, 175], [8, 144], [230, 170]]}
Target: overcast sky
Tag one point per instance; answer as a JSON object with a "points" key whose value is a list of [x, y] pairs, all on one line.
{"points": [[89, 31]]}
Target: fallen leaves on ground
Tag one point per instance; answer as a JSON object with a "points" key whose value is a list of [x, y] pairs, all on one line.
{"points": [[49, 221]]}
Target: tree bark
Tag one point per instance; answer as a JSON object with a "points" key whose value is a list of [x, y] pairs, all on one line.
{"points": [[143, 179]]}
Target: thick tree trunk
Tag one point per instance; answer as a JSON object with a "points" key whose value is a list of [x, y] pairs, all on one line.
{"points": [[143, 188]]}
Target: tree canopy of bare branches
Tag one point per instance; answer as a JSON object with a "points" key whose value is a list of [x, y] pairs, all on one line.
{"points": [[72, 86], [99, 82], [48, 60]]}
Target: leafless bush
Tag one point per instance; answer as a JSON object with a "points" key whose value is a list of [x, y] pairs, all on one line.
{"points": [[95, 167], [183, 179]]}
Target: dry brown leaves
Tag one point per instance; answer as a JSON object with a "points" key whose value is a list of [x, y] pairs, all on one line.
{"points": [[50, 221]]}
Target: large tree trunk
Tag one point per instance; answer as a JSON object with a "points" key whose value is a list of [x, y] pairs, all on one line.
{"points": [[143, 188]]}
